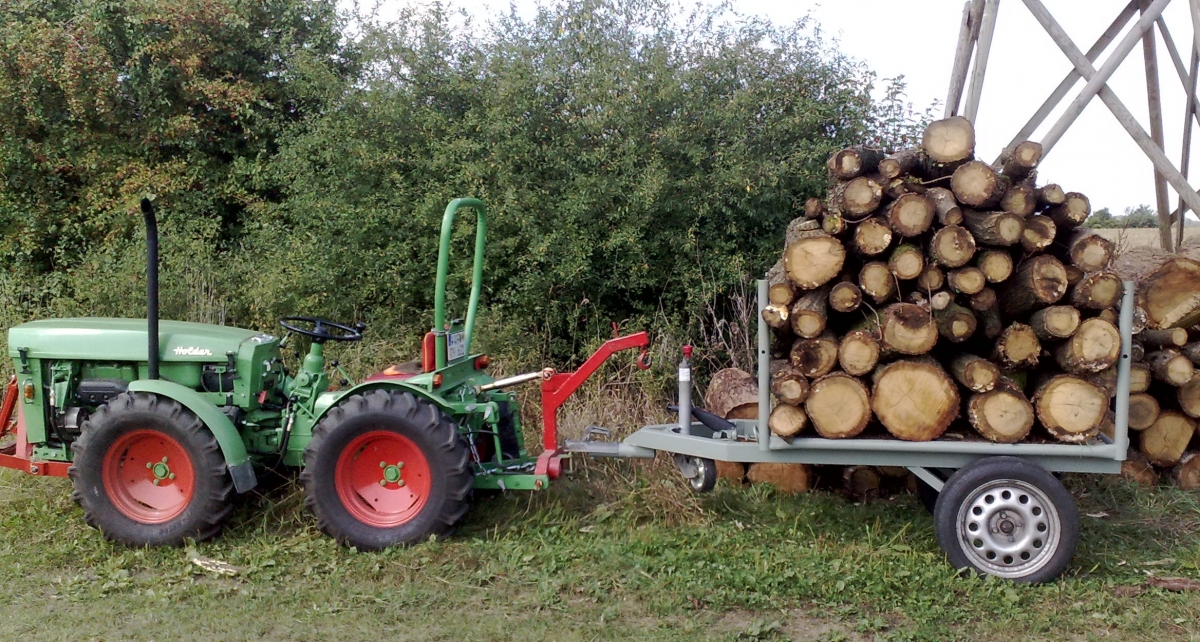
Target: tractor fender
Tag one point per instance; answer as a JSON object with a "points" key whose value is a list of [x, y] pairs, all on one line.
{"points": [[382, 384], [232, 446]]}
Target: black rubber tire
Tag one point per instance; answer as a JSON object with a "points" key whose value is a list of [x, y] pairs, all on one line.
{"points": [[707, 479], [959, 489], [212, 496], [449, 459]]}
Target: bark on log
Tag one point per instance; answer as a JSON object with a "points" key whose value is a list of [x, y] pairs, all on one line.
{"points": [[1137, 351], [814, 208], [931, 278], [1143, 411], [810, 312], [1055, 323], [1017, 348], [800, 228], [1072, 212], [862, 482], [872, 237], [1020, 200], [780, 290], [1096, 345], [1038, 233], [1097, 291], [1074, 274], [876, 280], [855, 199], [852, 162], [1192, 352], [910, 215], [967, 280], [787, 420], [1186, 474], [732, 394], [989, 321], [949, 141], [858, 352], [914, 400], [845, 296], [1170, 366], [1019, 161], [906, 262], [838, 406], [787, 478], [955, 323], [1038, 282], [994, 228], [789, 385], [1050, 195], [815, 357], [1165, 441], [811, 262], [1087, 250], [984, 299], [1137, 469], [952, 246], [1003, 415], [997, 265], [945, 208], [1071, 409], [1105, 379], [901, 163], [1171, 294], [974, 372], [1169, 338]]}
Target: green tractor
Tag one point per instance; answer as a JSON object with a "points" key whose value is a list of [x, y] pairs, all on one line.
{"points": [[159, 425]]}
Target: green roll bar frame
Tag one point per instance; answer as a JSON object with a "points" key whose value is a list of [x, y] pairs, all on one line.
{"points": [[440, 327]]}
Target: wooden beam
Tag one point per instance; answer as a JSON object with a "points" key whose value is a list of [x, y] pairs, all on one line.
{"points": [[983, 46], [1175, 58], [1068, 81], [1186, 156], [1114, 104], [1154, 102], [962, 55], [1099, 77]]}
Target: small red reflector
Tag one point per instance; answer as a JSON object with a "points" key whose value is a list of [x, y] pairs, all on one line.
{"points": [[262, 397], [437, 380], [482, 362]]}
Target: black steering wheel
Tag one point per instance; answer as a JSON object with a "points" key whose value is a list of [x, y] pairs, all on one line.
{"points": [[320, 330]]}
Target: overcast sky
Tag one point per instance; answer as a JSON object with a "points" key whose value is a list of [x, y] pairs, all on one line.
{"points": [[916, 39]]}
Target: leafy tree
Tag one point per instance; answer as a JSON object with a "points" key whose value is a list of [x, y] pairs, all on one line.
{"points": [[1142, 216]]}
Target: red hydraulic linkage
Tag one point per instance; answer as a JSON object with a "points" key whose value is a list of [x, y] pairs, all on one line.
{"points": [[558, 387], [22, 457]]}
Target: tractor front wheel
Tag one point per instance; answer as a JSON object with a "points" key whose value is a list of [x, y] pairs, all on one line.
{"points": [[147, 472], [385, 468]]}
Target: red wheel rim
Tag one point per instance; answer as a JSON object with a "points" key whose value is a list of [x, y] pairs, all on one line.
{"points": [[148, 476], [382, 479]]}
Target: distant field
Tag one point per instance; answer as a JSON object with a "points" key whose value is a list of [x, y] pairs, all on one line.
{"points": [[1143, 237]]}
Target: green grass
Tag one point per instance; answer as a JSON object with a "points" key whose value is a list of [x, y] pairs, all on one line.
{"points": [[625, 554]]}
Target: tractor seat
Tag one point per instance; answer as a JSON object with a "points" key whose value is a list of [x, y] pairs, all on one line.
{"points": [[399, 371]]}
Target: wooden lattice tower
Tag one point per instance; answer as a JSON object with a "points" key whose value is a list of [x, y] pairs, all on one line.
{"points": [[971, 57]]}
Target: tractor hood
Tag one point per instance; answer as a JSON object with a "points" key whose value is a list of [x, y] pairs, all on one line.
{"points": [[100, 339]]}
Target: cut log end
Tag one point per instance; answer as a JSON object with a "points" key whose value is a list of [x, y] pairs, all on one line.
{"points": [[1055, 323], [838, 406], [949, 141], [914, 400], [1070, 408], [952, 246], [1165, 441], [858, 353], [1017, 347], [1003, 415], [732, 394], [1095, 346], [845, 297], [811, 262], [787, 420], [787, 478], [975, 373]]}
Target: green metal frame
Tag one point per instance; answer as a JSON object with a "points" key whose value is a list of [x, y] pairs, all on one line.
{"points": [[443, 269]]}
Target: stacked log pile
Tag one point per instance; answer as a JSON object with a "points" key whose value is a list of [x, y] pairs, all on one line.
{"points": [[930, 295]]}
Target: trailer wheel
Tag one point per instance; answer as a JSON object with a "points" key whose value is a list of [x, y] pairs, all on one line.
{"points": [[700, 472], [385, 469], [147, 472], [1006, 517]]}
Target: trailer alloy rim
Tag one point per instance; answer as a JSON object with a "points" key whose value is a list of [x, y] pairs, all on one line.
{"points": [[382, 479], [148, 476], [1008, 528]]}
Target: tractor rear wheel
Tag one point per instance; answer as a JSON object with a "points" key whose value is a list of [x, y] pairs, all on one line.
{"points": [[147, 472], [384, 469]]}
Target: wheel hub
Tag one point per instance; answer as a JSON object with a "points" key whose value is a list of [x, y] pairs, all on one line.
{"points": [[391, 474], [383, 479], [1009, 528], [148, 476]]}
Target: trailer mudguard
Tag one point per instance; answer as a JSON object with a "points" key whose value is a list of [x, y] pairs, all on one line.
{"points": [[232, 446]]}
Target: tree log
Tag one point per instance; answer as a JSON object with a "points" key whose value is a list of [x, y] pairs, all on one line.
{"points": [[815, 357], [872, 237], [1003, 415], [732, 394], [1038, 282], [1138, 470], [789, 385], [955, 323], [910, 215], [949, 141], [1140, 377], [862, 482], [1096, 345], [1055, 322], [906, 262], [855, 199], [1038, 233], [845, 296], [1097, 291], [967, 280], [809, 313], [905, 329], [931, 278], [786, 478], [852, 162], [1019, 161], [1165, 441], [994, 228], [1169, 338], [989, 321], [975, 184], [858, 352], [997, 265], [1070, 408], [1074, 274], [1050, 195], [914, 400], [1192, 352], [776, 316], [974, 373], [800, 228], [1170, 366], [1186, 474], [838, 406], [944, 206], [901, 163], [1072, 213], [1087, 250], [811, 262], [1188, 397], [984, 299], [833, 224], [1017, 348], [1143, 411], [1020, 200], [1171, 294], [814, 208], [876, 280], [952, 246], [787, 420], [780, 290], [1137, 351]]}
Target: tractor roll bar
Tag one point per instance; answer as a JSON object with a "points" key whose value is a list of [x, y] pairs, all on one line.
{"points": [[443, 268]]}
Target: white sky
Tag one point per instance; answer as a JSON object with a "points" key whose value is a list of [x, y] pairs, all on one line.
{"points": [[916, 39]]}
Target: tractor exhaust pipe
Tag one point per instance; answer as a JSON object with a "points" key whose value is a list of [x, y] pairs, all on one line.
{"points": [[151, 288]]}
